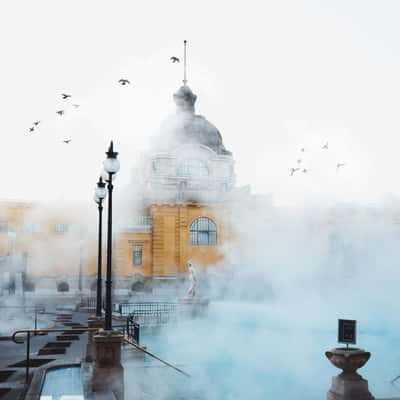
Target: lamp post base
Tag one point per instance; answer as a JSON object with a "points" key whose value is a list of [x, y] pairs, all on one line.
{"points": [[93, 322], [108, 373]]}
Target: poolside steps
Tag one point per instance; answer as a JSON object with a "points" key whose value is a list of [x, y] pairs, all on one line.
{"points": [[57, 344], [11, 386], [4, 391], [33, 363], [51, 351], [67, 337], [5, 374]]}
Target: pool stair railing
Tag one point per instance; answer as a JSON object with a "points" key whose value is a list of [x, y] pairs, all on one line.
{"points": [[30, 332], [77, 331]]}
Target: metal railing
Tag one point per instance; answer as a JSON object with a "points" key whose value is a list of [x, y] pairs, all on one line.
{"points": [[154, 306], [80, 330], [132, 329], [152, 318], [143, 350], [89, 302]]}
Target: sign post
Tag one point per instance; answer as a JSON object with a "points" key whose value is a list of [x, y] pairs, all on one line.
{"points": [[347, 332]]}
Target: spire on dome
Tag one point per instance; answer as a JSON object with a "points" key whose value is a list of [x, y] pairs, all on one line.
{"points": [[184, 63], [184, 98]]}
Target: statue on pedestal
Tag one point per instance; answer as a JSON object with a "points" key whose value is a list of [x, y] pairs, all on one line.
{"points": [[191, 293]]}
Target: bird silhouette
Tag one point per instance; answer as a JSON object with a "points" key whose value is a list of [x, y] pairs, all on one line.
{"points": [[66, 141], [36, 123], [339, 165], [302, 150], [65, 96], [304, 170], [31, 129], [124, 82], [76, 105], [299, 161], [174, 59], [293, 170], [61, 112], [325, 146]]}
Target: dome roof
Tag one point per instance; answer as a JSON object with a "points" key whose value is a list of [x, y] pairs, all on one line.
{"points": [[187, 127]]}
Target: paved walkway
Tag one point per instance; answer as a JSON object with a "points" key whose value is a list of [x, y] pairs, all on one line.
{"points": [[42, 349]]}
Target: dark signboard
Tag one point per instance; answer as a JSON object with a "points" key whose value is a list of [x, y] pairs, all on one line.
{"points": [[347, 331]]}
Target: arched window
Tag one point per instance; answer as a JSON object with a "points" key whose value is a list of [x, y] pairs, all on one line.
{"points": [[192, 168], [63, 287], [203, 232]]}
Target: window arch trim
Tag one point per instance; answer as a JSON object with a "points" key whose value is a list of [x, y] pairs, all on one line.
{"points": [[203, 232]]}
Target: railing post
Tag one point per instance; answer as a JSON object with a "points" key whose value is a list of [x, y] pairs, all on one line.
{"points": [[28, 349], [35, 321], [136, 330]]}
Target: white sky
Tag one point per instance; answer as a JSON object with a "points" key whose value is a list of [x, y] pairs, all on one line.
{"points": [[273, 76]]}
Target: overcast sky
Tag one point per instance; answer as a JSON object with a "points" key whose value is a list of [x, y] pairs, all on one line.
{"points": [[273, 76]]}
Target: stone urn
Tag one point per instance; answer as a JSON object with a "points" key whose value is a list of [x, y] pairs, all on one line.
{"points": [[348, 385]]}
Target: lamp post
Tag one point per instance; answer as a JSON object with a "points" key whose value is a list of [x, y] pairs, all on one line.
{"points": [[111, 167], [80, 278], [100, 194]]}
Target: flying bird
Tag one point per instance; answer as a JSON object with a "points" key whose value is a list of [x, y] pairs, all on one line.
{"points": [[65, 96], [339, 165], [299, 161], [75, 105], [31, 129], [66, 141], [325, 146], [302, 150], [293, 170], [174, 59], [124, 82], [61, 112], [304, 170], [36, 123]]}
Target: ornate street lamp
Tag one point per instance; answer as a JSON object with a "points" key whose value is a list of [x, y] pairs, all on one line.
{"points": [[100, 194], [111, 167]]}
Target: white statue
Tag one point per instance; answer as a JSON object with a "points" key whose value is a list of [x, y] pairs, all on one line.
{"points": [[191, 293]]}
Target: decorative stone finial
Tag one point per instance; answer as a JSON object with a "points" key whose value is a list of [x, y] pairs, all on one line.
{"points": [[348, 385]]}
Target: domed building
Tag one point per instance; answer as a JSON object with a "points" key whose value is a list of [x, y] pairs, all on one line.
{"points": [[186, 185], [190, 175]]}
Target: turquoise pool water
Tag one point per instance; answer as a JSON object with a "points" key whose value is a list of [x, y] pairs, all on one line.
{"points": [[250, 351], [259, 351], [63, 384]]}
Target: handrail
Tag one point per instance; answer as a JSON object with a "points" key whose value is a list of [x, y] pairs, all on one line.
{"points": [[80, 329], [157, 358], [44, 330], [34, 307], [49, 330]]}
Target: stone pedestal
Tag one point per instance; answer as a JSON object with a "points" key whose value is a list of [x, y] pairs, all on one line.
{"points": [[349, 385], [108, 374], [93, 322]]}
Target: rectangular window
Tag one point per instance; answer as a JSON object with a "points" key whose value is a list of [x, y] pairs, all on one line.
{"points": [[62, 228], [3, 226], [137, 255]]}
